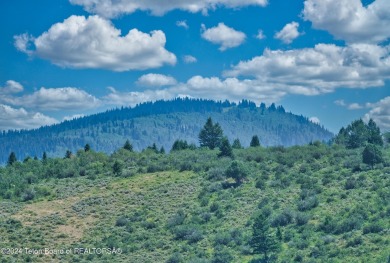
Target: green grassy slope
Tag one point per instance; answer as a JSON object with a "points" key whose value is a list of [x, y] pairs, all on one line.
{"points": [[326, 206]]}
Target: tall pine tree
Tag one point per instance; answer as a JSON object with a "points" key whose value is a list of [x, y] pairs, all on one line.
{"points": [[374, 133], [225, 148], [255, 142], [236, 144], [263, 241], [128, 146], [211, 135], [12, 159], [87, 148]]}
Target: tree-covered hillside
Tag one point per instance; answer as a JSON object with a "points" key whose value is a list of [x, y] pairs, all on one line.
{"points": [[162, 123], [311, 203]]}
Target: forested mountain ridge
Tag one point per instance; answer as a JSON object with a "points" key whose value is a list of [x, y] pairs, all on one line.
{"points": [[163, 122]]}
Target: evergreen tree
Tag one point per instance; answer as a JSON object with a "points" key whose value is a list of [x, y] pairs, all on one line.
{"points": [[128, 146], [12, 159], [374, 133], [225, 148], [237, 171], [357, 134], [117, 168], [255, 142], [211, 135], [87, 148], [263, 241], [386, 137], [162, 150], [236, 144], [153, 147], [44, 157], [180, 145], [372, 155], [68, 154], [341, 137]]}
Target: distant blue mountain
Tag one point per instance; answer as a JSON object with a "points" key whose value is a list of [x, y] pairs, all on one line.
{"points": [[163, 122]]}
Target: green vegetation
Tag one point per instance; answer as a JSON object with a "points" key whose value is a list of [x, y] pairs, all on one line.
{"points": [[128, 146], [163, 122], [359, 134], [236, 144], [372, 155], [263, 241], [225, 148], [310, 203], [12, 158], [211, 135], [255, 142]]}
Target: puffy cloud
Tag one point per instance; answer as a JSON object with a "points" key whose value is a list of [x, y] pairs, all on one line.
{"points": [[182, 24], [351, 106], [322, 69], [156, 80], [75, 116], [260, 35], [23, 43], [200, 87], [12, 118], [355, 106], [134, 97], [188, 59], [224, 36], [230, 88], [288, 33], [340, 103], [315, 120], [380, 113], [94, 42], [349, 20], [55, 99], [11, 86], [109, 8]]}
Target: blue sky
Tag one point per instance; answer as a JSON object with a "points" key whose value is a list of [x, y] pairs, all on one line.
{"points": [[327, 60]]}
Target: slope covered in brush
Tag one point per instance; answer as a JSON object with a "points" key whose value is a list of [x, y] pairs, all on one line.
{"points": [[316, 203]]}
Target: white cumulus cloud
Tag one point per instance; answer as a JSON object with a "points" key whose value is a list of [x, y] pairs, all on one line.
{"points": [[72, 117], [156, 80], [224, 36], [134, 97], [94, 42], [351, 106], [215, 88], [13, 118], [182, 23], [349, 20], [188, 59], [11, 86], [110, 8], [230, 88], [53, 99], [288, 33], [380, 113], [23, 43], [260, 35], [315, 120], [318, 70]]}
